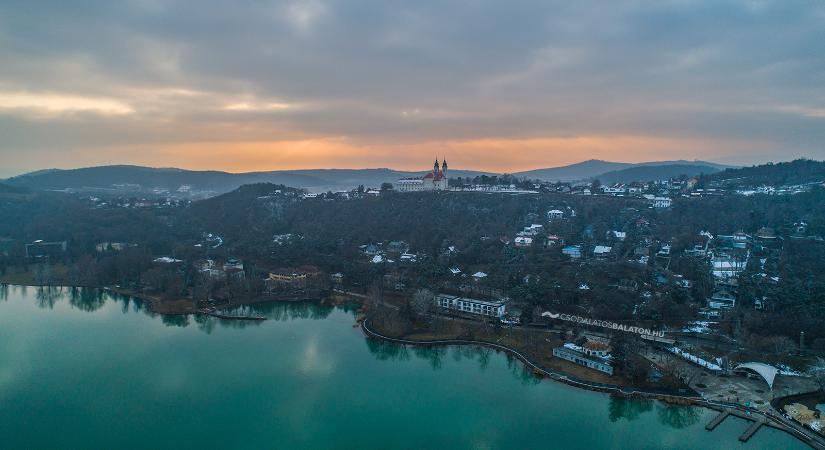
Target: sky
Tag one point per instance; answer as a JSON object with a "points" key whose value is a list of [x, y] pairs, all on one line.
{"points": [[491, 85]]}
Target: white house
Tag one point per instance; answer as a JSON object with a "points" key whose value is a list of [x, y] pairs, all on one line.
{"points": [[523, 241], [601, 250], [722, 300], [661, 202], [554, 214], [533, 230], [726, 266]]}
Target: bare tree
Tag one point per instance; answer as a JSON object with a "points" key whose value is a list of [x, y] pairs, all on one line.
{"points": [[817, 372], [782, 345], [422, 301]]}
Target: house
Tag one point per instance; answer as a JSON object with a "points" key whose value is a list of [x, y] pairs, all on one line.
{"points": [[167, 260], [601, 251], [337, 279], [664, 251], [299, 278], [372, 249], [618, 235], [616, 189], [397, 247], [533, 230], [553, 240], [478, 276], [233, 264], [203, 265], [433, 181], [554, 214], [586, 357], [661, 202], [110, 246], [41, 249], [523, 241], [410, 258], [573, 251], [725, 266], [281, 239], [455, 271], [722, 299], [491, 308]]}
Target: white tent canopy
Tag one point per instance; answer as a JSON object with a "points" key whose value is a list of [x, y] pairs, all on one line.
{"points": [[766, 371]]}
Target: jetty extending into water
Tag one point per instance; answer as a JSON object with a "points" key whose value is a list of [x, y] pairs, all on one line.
{"points": [[756, 423]]}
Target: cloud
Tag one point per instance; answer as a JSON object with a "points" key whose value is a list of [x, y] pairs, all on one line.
{"points": [[722, 78], [61, 103]]}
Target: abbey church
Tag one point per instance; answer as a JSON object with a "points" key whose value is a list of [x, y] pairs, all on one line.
{"points": [[432, 181]]}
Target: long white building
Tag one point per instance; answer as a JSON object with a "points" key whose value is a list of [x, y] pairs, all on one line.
{"points": [[495, 308]]}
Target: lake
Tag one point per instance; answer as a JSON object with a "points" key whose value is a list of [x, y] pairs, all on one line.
{"points": [[80, 368]]}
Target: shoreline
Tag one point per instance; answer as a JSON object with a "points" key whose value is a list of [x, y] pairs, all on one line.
{"points": [[771, 420]]}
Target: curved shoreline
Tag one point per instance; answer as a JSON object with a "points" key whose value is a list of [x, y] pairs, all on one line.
{"points": [[770, 420]]}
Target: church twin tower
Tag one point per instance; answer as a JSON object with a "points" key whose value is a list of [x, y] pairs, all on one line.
{"points": [[442, 170]]}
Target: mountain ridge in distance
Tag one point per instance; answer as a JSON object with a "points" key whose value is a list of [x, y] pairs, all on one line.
{"points": [[211, 182]]}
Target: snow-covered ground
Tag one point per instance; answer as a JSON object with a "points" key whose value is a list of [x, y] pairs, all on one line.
{"points": [[694, 359]]}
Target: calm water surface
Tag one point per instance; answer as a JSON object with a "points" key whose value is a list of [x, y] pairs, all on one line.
{"points": [[82, 369]]}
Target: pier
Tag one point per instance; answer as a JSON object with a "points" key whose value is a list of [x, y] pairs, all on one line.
{"points": [[751, 430], [755, 422], [717, 420]]}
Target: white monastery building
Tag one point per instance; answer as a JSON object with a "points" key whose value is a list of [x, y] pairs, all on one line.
{"points": [[433, 181]]}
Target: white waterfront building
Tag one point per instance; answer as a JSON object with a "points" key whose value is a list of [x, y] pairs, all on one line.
{"points": [[492, 308]]}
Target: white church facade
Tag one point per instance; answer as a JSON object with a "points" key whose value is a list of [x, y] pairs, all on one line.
{"points": [[433, 181]]}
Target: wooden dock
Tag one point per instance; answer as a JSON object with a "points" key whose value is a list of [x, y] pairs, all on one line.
{"points": [[751, 431], [717, 420]]}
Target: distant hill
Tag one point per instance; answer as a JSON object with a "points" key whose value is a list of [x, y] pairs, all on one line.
{"points": [[6, 189], [655, 172], [595, 168], [574, 172], [146, 179], [800, 171]]}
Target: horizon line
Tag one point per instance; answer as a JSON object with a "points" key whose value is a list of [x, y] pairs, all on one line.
{"points": [[27, 172]]}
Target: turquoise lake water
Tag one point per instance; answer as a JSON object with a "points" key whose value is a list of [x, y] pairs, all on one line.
{"points": [[83, 369]]}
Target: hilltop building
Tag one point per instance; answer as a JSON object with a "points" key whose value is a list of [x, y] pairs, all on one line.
{"points": [[433, 181]]}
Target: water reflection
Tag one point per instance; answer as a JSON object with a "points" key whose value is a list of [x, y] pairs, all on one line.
{"points": [[628, 409], [47, 296], [4, 292], [678, 417], [387, 351], [673, 416], [91, 300], [285, 311], [88, 300], [435, 355]]}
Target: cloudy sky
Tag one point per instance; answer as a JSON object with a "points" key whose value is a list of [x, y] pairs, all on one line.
{"points": [[495, 85]]}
